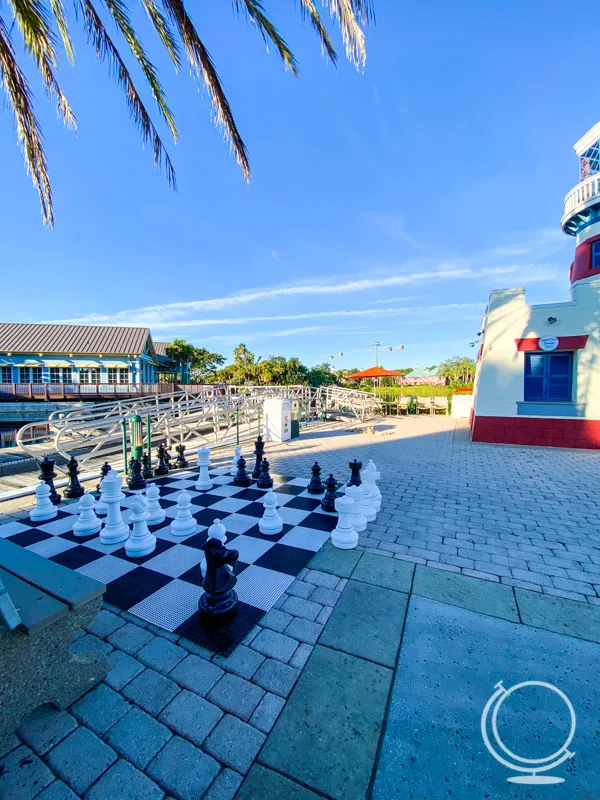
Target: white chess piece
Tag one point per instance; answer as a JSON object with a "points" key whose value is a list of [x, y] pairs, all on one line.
{"points": [[87, 523], [357, 518], [156, 513], [237, 452], [376, 476], [366, 506], [216, 531], [343, 535], [101, 507], [43, 508], [373, 493], [184, 523], [270, 523], [115, 530], [204, 482], [141, 542]]}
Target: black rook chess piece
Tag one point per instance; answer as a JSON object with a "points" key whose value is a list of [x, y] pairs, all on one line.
{"points": [[265, 481], [47, 475], [180, 461], [147, 471], [219, 598], [135, 481], [316, 485], [259, 451], [355, 468], [328, 501], [104, 470], [74, 488], [163, 467], [241, 476]]}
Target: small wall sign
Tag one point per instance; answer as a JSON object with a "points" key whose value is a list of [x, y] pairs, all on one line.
{"points": [[548, 343]]}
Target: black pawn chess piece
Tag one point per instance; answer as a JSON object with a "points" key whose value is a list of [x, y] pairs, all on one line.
{"points": [[47, 475], [259, 451], [328, 501], [180, 461], [265, 481], [147, 472], [219, 598], [135, 480], [74, 488], [104, 470], [163, 467], [355, 468], [316, 485], [241, 476]]}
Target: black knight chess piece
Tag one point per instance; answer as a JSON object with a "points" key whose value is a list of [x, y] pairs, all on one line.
{"points": [[219, 598], [74, 488], [47, 475], [355, 468], [259, 451], [265, 481], [180, 461], [328, 501], [163, 467], [241, 476], [135, 481], [147, 472], [104, 470], [316, 485]]}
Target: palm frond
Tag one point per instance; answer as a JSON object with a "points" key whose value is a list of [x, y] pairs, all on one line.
{"points": [[255, 11], [164, 31], [364, 10], [352, 34], [201, 62], [106, 51], [61, 23], [310, 10], [29, 133]]}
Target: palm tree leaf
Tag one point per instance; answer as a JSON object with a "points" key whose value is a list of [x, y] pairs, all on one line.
{"points": [[61, 23], [29, 133], [120, 14], [106, 50], [255, 11], [164, 30], [200, 60], [352, 34], [310, 10], [364, 10]]}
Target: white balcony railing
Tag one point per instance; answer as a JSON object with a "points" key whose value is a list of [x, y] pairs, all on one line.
{"points": [[584, 191]]}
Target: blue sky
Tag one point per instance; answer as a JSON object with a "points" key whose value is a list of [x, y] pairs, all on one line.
{"points": [[384, 204]]}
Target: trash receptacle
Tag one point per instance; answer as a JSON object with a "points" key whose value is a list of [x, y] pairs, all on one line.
{"points": [[295, 419]]}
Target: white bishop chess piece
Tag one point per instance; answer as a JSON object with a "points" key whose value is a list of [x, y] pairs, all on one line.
{"points": [[270, 523], [343, 535], [115, 530], [237, 452], [357, 518], [141, 542], [156, 513], [216, 531], [43, 508], [87, 523], [204, 482], [184, 523]]}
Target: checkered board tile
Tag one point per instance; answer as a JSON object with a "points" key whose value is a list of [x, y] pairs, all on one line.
{"points": [[164, 587]]}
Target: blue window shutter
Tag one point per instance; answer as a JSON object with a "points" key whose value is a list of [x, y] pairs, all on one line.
{"points": [[558, 380], [595, 255], [534, 376]]}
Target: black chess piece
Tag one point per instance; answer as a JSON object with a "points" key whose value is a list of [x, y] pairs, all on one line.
{"points": [[163, 467], [168, 458], [259, 451], [328, 501], [316, 485], [47, 475], [74, 488], [265, 481], [180, 461], [355, 468], [241, 476], [219, 598], [147, 472], [104, 470], [135, 480]]}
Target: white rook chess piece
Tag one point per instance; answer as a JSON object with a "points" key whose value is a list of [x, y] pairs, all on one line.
{"points": [[87, 523], [357, 518], [43, 508], [270, 523], [204, 482], [115, 530], [373, 492], [184, 523], [366, 506], [343, 535], [141, 542], [216, 531], [237, 452], [156, 513]]}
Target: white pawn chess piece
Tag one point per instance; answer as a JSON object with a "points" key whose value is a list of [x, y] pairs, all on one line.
{"points": [[237, 452], [184, 523], [43, 508], [366, 506], [115, 529], [270, 523], [371, 488], [141, 542], [87, 523], [343, 535], [204, 482], [216, 531], [156, 513], [357, 518]]}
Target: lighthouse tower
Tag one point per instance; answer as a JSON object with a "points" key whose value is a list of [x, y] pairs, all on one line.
{"points": [[538, 375]]}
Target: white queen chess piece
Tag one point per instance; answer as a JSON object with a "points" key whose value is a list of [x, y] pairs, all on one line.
{"points": [[141, 542], [270, 523], [87, 523], [357, 518], [204, 482], [115, 530], [43, 508], [237, 452], [343, 535], [156, 513], [216, 531], [184, 523]]}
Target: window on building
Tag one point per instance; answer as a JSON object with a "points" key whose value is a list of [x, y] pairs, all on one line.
{"points": [[6, 374], [548, 376], [123, 375], [112, 375], [67, 375], [55, 375], [89, 375], [596, 255], [24, 375], [118, 375], [36, 374]]}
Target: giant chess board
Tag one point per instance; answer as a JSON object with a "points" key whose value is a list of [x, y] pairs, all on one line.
{"points": [[164, 587]]}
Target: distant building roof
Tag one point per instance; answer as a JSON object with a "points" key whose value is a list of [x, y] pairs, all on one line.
{"points": [[161, 348], [420, 372], [22, 337]]}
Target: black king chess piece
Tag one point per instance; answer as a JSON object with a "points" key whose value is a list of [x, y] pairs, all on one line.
{"points": [[259, 451], [135, 481], [355, 468], [180, 461], [328, 501], [47, 475], [74, 488], [104, 470], [147, 472], [219, 598], [316, 485], [265, 481], [163, 467], [241, 476]]}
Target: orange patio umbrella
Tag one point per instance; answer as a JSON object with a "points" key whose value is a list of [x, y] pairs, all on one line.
{"points": [[374, 372]]}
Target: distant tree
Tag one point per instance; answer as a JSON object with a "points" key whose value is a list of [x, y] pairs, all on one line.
{"points": [[181, 354], [459, 369], [205, 365], [321, 375]]}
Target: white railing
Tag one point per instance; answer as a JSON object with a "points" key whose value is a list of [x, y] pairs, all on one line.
{"points": [[584, 191]]}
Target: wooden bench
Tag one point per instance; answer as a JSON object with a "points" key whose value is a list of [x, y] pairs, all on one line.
{"points": [[46, 604]]}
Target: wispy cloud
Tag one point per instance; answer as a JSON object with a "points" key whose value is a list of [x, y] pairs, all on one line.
{"points": [[393, 225]]}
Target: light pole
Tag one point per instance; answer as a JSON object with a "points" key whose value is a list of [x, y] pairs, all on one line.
{"points": [[376, 345]]}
